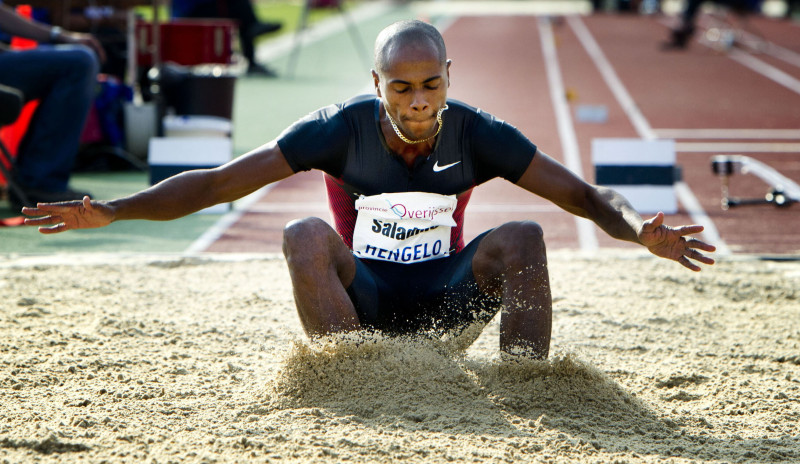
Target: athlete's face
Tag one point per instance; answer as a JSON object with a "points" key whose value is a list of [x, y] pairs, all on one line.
{"points": [[413, 87]]}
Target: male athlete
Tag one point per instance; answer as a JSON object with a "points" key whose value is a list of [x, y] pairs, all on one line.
{"points": [[399, 170]]}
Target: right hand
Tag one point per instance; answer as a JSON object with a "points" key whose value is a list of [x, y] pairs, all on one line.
{"points": [[68, 215]]}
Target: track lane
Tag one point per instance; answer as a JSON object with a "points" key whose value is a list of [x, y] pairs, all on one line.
{"points": [[689, 90], [498, 66]]}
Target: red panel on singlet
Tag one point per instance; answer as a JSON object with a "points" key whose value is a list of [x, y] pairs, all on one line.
{"points": [[343, 209]]}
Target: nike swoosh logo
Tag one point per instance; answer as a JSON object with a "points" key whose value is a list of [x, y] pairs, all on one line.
{"points": [[437, 168]]}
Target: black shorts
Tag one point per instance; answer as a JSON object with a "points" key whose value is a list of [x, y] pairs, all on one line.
{"points": [[436, 296]]}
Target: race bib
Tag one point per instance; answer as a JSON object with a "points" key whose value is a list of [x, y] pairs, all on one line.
{"points": [[406, 227]]}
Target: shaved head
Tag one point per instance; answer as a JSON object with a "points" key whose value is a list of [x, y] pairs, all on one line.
{"points": [[406, 33]]}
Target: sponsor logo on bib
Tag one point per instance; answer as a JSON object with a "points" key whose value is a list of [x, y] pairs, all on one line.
{"points": [[406, 227]]}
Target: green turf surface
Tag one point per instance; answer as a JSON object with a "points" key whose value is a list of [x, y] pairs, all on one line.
{"points": [[124, 236], [328, 71], [286, 12]]}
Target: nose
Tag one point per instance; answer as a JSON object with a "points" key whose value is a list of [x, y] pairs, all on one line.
{"points": [[420, 103]]}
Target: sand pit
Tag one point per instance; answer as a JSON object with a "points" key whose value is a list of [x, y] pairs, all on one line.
{"points": [[168, 359]]}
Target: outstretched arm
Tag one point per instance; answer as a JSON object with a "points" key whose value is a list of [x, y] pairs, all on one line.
{"points": [[175, 197], [613, 213]]}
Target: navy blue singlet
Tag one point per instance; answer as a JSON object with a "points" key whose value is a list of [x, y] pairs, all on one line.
{"points": [[345, 141]]}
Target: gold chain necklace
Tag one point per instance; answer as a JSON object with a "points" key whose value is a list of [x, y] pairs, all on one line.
{"points": [[408, 140]]}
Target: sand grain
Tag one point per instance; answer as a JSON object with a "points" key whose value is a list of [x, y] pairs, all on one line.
{"points": [[162, 359]]}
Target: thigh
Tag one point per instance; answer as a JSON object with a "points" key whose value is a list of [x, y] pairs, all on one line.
{"points": [[313, 248], [35, 71], [369, 293], [23, 70]]}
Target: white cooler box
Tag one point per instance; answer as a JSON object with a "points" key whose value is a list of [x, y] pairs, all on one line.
{"points": [[197, 126], [169, 156]]}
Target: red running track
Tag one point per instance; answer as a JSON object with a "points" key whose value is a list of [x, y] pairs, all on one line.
{"points": [[499, 65]]}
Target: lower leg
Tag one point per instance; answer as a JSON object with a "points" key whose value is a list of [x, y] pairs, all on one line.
{"points": [[526, 321], [321, 267], [248, 46], [689, 14], [512, 263], [242, 12]]}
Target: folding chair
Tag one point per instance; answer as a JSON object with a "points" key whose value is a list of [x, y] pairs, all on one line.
{"points": [[11, 101]]}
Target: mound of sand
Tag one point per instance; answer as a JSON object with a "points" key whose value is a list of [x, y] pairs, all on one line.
{"points": [[169, 359]]}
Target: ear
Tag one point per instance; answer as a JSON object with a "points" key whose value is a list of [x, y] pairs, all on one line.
{"points": [[449, 62], [377, 81]]}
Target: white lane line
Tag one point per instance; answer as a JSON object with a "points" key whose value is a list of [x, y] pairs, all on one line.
{"points": [[587, 238], [761, 67], [699, 216], [721, 134], [761, 45], [766, 70], [566, 130], [612, 80], [643, 128], [729, 147], [783, 54], [749, 40]]}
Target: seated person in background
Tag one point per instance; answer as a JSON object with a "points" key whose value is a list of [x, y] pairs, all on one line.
{"points": [[240, 10], [62, 77]]}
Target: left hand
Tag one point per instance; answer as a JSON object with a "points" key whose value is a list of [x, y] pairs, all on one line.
{"points": [[671, 243]]}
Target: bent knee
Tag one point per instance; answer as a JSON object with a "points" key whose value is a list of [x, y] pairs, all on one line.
{"points": [[83, 60], [311, 246], [304, 234], [516, 244], [513, 249], [521, 236]]}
